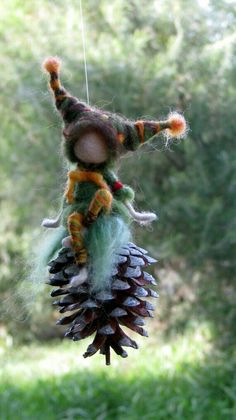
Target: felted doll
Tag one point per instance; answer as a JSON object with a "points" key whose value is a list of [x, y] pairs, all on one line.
{"points": [[98, 270]]}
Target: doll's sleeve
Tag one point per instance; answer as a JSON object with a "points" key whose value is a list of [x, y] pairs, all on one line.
{"points": [[120, 191]]}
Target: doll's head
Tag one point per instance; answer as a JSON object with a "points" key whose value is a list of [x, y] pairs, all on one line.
{"points": [[91, 148], [91, 141], [96, 138]]}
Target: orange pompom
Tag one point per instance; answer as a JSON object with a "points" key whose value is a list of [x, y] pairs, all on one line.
{"points": [[178, 125], [52, 64]]}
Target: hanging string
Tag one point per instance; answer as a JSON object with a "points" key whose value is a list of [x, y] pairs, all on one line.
{"points": [[84, 49]]}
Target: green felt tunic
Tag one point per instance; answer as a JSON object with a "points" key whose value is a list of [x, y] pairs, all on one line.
{"points": [[84, 193]]}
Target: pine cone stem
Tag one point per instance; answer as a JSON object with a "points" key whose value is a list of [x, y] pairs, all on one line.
{"points": [[107, 354]]}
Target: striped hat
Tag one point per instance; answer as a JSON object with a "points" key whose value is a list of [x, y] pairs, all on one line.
{"points": [[121, 134]]}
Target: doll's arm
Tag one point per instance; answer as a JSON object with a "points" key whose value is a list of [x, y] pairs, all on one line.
{"points": [[125, 194], [120, 191]]}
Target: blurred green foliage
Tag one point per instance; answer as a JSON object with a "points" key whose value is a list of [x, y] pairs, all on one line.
{"points": [[176, 381], [144, 59]]}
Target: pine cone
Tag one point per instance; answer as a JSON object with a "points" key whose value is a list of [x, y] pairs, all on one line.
{"points": [[104, 313]]}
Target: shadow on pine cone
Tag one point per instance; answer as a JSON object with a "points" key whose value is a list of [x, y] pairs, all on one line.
{"points": [[104, 313]]}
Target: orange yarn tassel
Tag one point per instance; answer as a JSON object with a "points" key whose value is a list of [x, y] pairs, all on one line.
{"points": [[177, 125]]}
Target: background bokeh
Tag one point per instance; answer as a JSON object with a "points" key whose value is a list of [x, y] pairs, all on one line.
{"points": [[145, 58]]}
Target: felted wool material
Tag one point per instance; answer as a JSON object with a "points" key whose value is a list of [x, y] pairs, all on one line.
{"points": [[99, 272], [119, 133], [104, 239], [84, 192], [49, 246], [45, 249], [94, 139], [76, 228]]}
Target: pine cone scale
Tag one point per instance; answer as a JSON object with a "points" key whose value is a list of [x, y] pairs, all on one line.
{"points": [[105, 312]]}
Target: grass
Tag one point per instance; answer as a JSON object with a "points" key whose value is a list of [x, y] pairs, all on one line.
{"points": [[183, 379]]}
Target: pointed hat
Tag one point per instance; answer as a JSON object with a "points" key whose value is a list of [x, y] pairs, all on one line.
{"points": [[121, 134]]}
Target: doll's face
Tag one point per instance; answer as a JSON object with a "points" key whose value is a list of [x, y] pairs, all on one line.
{"points": [[91, 148]]}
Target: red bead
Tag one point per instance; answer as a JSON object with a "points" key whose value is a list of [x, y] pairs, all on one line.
{"points": [[117, 186]]}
